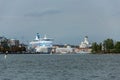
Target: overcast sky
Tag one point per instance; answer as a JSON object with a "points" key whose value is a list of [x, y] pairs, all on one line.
{"points": [[67, 21]]}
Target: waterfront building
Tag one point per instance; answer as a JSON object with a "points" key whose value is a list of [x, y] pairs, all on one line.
{"points": [[3, 41], [85, 43], [84, 47], [13, 42], [63, 50]]}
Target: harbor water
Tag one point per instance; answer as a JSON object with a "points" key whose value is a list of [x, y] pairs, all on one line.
{"points": [[60, 67]]}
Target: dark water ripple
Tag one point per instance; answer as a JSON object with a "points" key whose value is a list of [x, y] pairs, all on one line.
{"points": [[60, 67]]}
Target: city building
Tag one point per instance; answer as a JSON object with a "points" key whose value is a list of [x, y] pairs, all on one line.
{"points": [[13, 42], [85, 43]]}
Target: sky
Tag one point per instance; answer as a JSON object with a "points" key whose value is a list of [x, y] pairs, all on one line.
{"points": [[66, 21]]}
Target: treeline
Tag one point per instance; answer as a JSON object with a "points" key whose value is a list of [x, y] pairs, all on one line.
{"points": [[12, 49], [107, 46]]}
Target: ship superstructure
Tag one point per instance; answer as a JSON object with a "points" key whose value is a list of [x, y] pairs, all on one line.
{"points": [[42, 45]]}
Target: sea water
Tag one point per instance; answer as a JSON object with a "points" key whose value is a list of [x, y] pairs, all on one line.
{"points": [[60, 67]]}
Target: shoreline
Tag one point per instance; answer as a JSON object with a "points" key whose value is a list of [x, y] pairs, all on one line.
{"points": [[50, 53]]}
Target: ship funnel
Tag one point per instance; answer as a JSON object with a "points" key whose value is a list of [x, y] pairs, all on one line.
{"points": [[37, 36]]}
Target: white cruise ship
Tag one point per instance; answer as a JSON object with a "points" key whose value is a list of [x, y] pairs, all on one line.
{"points": [[42, 45]]}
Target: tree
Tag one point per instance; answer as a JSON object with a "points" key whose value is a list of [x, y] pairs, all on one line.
{"points": [[108, 45], [99, 47], [94, 47], [117, 47]]}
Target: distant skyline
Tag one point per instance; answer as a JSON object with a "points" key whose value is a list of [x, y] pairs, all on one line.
{"points": [[66, 21]]}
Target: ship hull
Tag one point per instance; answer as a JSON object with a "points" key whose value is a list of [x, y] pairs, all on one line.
{"points": [[43, 50]]}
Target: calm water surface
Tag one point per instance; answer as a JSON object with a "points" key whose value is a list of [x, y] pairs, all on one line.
{"points": [[60, 67]]}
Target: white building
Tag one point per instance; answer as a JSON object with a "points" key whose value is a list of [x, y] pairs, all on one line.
{"points": [[13, 42], [85, 43], [67, 49]]}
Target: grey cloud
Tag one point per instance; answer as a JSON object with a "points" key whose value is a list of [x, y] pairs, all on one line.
{"points": [[39, 14]]}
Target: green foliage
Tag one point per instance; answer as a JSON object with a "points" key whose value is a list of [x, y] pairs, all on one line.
{"points": [[96, 47], [117, 45], [108, 46]]}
